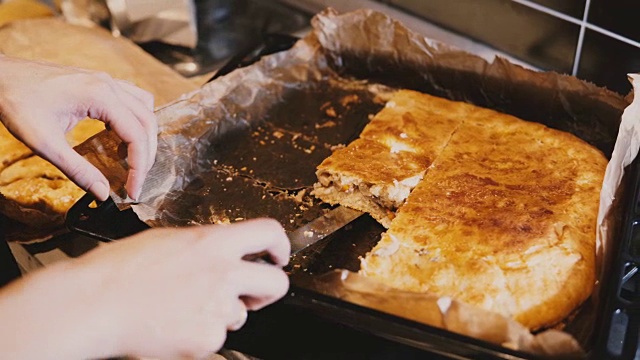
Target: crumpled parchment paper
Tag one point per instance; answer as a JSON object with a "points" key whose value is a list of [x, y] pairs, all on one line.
{"points": [[371, 46]]}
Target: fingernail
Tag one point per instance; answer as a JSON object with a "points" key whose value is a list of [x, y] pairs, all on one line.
{"points": [[135, 196], [99, 190], [133, 191]]}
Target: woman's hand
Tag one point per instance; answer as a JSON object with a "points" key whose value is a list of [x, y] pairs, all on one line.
{"points": [[176, 292], [40, 102], [166, 293]]}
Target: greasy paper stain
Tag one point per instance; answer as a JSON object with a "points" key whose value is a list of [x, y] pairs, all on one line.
{"points": [[268, 169]]}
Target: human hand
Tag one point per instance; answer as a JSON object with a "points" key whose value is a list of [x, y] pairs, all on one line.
{"points": [[174, 293], [164, 293], [40, 102]]}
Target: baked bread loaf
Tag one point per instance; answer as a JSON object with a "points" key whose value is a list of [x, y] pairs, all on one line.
{"points": [[504, 217]]}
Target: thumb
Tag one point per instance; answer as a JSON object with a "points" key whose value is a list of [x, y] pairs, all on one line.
{"points": [[78, 169]]}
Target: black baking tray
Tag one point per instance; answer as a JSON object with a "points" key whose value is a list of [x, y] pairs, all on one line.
{"points": [[308, 325]]}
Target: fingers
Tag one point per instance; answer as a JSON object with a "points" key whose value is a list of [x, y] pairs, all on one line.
{"points": [[134, 124], [145, 97], [83, 173], [257, 284], [202, 275], [138, 160], [74, 166], [68, 95], [141, 104], [257, 236], [237, 316], [260, 285]]}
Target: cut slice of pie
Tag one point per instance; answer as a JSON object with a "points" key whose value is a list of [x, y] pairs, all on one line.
{"points": [[376, 172], [43, 202], [11, 150]]}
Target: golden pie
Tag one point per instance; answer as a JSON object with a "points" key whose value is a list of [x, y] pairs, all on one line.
{"points": [[504, 217]]}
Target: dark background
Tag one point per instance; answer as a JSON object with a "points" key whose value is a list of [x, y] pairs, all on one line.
{"points": [[548, 34]]}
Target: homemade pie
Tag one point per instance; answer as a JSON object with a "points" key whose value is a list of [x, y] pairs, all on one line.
{"points": [[376, 172], [501, 214]]}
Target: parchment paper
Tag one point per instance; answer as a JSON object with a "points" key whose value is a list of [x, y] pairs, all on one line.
{"points": [[369, 45]]}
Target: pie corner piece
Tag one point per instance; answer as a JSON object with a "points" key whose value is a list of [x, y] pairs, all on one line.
{"points": [[376, 172], [488, 222]]}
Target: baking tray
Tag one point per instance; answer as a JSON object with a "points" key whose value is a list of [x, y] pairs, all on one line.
{"points": [[307, 324]]}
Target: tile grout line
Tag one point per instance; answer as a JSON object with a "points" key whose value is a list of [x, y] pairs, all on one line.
{"points": [[583, 26], [549, 11], [582, 23], [612, 34]]}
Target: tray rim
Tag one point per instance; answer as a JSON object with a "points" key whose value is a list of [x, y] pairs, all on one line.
{"points": [[80, 214]]}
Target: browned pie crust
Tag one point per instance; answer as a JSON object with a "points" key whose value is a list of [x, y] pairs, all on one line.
{"points": [[504, 218], [377, 172]]}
